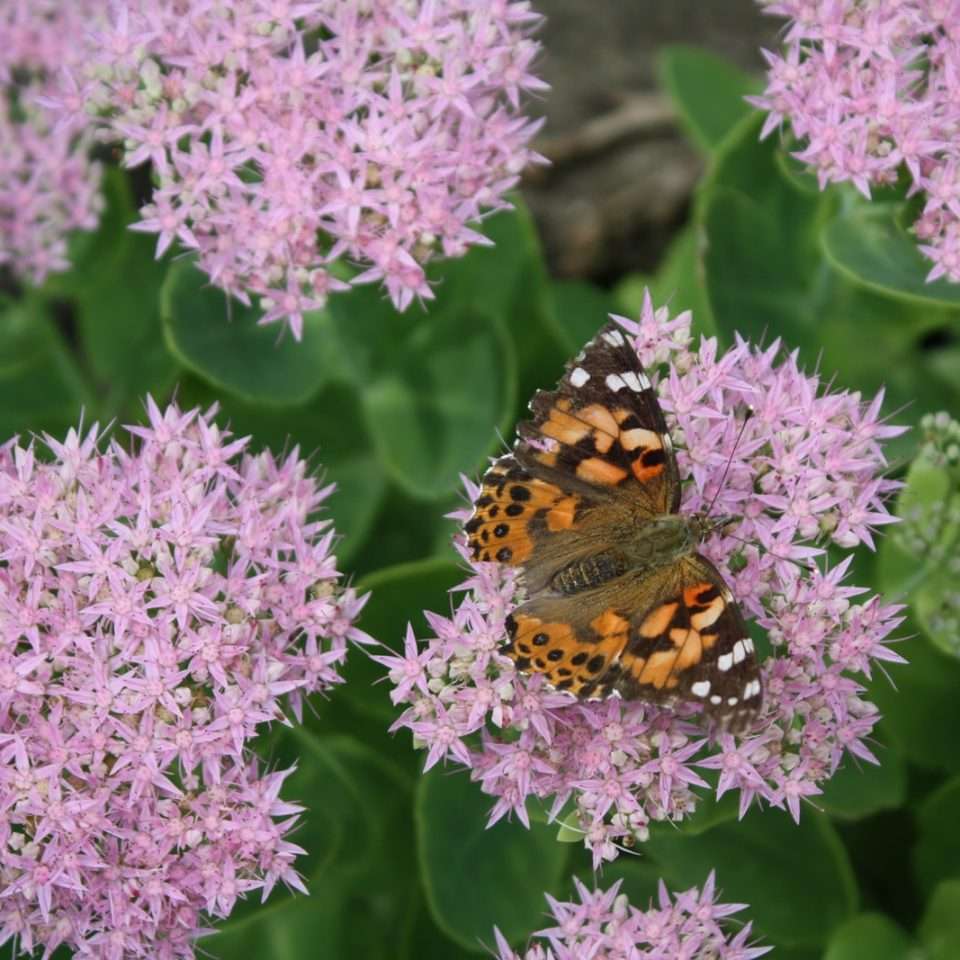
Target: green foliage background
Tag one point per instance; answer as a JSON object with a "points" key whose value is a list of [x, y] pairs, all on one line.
{"points": [[397, 407]]}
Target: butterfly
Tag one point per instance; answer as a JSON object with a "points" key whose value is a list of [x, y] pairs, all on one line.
{"points": [[618, 600]]}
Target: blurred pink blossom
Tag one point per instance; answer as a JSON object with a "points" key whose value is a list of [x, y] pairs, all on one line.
{"points": [[49, 186]]}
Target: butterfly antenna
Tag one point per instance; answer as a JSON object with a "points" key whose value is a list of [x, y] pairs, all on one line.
{"points": [[726, 469]]}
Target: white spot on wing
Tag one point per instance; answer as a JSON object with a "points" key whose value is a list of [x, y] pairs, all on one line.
{"points": [[579, 377], [614, 382], [748, 644], [739, 652], [630, 379], [614, 338], [644, 382], [716, 701], [731, 701], [700, 689], [725, 662]]}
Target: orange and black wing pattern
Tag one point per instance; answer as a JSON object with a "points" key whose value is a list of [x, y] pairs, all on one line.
{"points": [[603, 427], [675, 635], [594, 460]]}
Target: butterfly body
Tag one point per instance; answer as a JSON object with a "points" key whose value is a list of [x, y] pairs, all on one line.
{"points": [[619, 600], [651, 543]]}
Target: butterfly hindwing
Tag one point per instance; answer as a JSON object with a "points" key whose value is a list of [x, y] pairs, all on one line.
{"points": [[675, 634], [688, 641], [572, 641]]}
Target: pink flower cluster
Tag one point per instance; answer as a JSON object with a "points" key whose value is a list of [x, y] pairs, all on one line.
{"points": [[804, 473], [158, 607], [287, 136], [604, 924], [48, 184], [869, 89]]}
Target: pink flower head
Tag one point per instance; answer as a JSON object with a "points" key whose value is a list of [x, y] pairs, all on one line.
{"points": [[48, 184], [602, 923], [871, 88], [159, 605], [801, 473], [286, 136]]}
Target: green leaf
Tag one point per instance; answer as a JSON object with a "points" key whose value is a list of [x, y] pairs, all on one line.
{"points": [[95, 256], [710, 811], [917, 560], [477, 878], [937, 852], [405, 527], [437, 385], [796, 877], [921, 504], [434, 413], [867, 244], [796, 172], [570, 830], [870, 935], [219, 340], [362, 706], [359, 851], [940, 928], [707, 92], [766, 275], [580, 309], [860, 789], [678, 285], [426, 941], [509, 281], [118, 310], [40, 385], [922, 713]]}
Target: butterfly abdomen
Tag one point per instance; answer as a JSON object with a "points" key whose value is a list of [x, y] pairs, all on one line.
{"points": [[590, 572]]}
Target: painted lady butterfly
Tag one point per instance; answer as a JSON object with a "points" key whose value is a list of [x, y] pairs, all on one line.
{"points": [[618, 600]]}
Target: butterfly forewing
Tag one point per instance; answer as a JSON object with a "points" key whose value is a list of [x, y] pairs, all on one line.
{"points": [[604, 427]]}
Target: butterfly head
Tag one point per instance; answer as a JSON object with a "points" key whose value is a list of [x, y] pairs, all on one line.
{"points": [[705, 526]]}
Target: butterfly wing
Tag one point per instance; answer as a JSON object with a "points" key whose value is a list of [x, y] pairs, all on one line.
{"points": [[523, 520], [595, 456], [689, 642], [603, 426], [594, 460], [676, 634]]}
